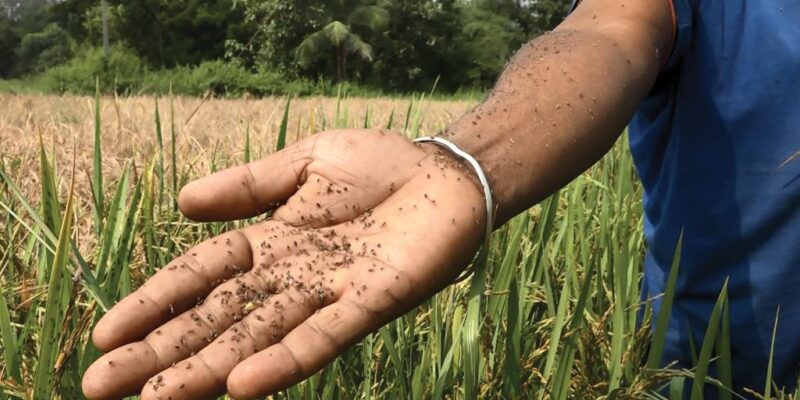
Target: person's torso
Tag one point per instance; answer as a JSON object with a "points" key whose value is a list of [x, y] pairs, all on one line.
{"points": [[713, 146]]}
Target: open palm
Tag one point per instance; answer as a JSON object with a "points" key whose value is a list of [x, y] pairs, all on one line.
{"points": [[367, 226]]}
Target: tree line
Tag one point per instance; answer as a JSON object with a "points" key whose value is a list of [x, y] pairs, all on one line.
{"points": [[390, 45]]}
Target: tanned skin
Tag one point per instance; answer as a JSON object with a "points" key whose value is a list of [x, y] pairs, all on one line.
{"points": [[365, 224]]}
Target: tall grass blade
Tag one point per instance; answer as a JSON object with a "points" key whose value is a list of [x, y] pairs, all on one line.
{"points": [[331, 373], [417, 387], [555, 335], [297, 132], [9, 341], [618, 327], [49, 202], [444, 372], [508, 267], [513, 356], [391, 120], [704, 358], [337, 117], [367, 348], [247, 142], [50, 211], [54, 309], [148, 206], [660, 334], [281, 143], [408, 115], [561, 380], [692, 345], [97, 163], [417, 123], [435, 84], [110, 236], [676, 388], [118, 280], [173, 148], [470, 333], [725, 361], [394, 356], [768, 383], [160, 141]]}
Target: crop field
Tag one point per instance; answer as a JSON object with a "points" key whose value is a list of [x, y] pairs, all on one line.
{"points": [[88, 211]]}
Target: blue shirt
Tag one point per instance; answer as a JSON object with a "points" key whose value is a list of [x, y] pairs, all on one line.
{"points": [[709, 144]]}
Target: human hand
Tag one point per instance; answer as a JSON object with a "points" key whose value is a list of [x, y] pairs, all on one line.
{"points": [[367, 226]]}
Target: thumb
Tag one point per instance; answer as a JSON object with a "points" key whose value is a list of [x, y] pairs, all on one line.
{"points": [[247, 190]]}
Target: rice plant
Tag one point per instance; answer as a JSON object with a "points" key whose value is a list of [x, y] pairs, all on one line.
{"points": [[553, 312]]}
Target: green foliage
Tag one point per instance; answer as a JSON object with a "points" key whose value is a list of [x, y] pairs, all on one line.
{"points": [[418, 47], [399, 44], [72, 14], [282, 26], [9, 41], [533, 17], [228, 79], [167, 33], [122, 71], [338, 37], [341, 37], [46, 49], [92, 24], [544, 15], [30, 16], [487, 40], [268, 46]]}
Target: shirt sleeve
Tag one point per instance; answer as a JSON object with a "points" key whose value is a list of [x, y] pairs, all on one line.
{"points": [[681, 30]]}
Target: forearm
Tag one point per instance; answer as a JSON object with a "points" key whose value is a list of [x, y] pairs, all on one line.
{"points": [[559, 106]]}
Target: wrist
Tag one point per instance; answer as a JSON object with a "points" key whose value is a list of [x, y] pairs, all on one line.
{"points": [[486, 142], [446, 159], [446, 155]]}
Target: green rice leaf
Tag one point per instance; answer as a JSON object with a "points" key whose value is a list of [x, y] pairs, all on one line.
{"points": [[247, 142], [725, 362], [54, 309], [9, 341], [391, 120], [704, 358], [659, 337], [768, 383], [97, 164], [281, 143]]}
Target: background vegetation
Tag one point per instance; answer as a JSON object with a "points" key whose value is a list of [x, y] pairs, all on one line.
{"points": [[264, 47]]}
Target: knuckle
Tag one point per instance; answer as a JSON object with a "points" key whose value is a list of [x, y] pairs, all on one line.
{"points": [[320, 332]]}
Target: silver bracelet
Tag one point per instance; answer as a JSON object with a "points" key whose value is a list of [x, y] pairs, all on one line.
{"points": [[487, 191]]}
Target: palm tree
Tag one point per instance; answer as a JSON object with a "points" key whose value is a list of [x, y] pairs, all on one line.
{"points": [[337, 35]]}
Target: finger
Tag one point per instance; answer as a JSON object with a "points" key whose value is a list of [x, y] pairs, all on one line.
{"points": [[177, 339], [204, 375], [193, 330], [174, 289], [305, 350], [247, 190], [375, 295], [107, 378]]}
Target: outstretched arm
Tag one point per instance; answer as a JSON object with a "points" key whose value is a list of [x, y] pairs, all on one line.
{"points": [[367, 224], [564, 98]]}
